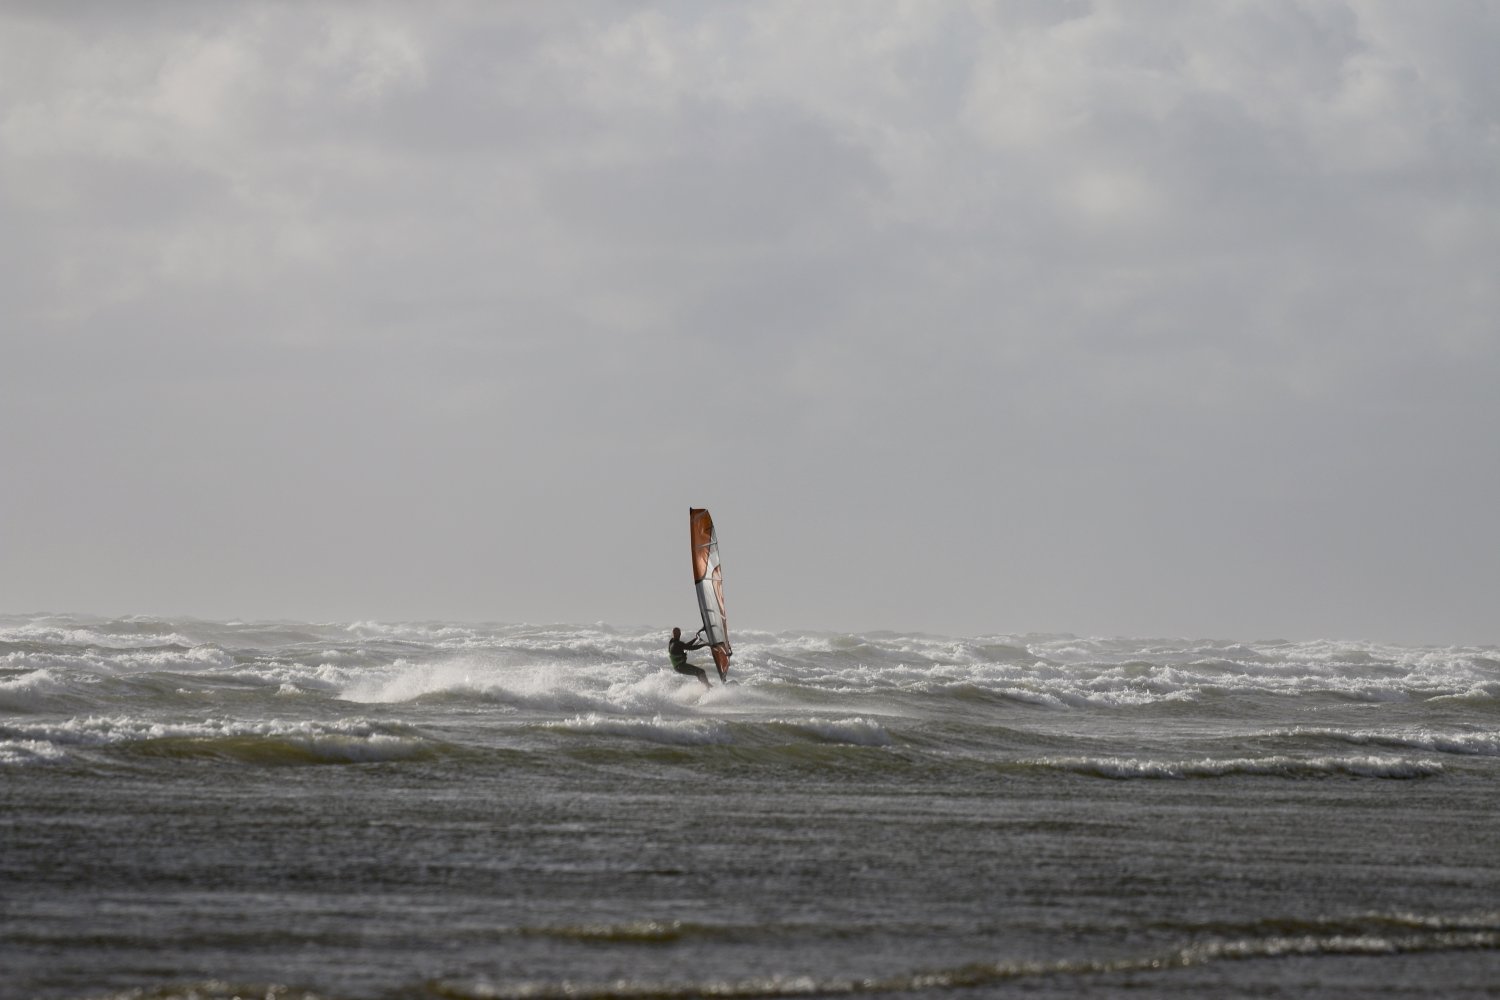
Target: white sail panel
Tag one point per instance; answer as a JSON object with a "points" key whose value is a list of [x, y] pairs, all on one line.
{"points": [[708, 580]]}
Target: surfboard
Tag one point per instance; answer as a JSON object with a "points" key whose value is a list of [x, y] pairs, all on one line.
{"points": [[708, 580]]}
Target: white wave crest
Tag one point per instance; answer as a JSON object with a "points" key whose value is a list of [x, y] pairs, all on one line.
{"points": [[105, 663], [13, 752], [30, 692], [342, 739], [676, 732], [628, 688], [1461, 743], [1126, 768], [858, 731]]}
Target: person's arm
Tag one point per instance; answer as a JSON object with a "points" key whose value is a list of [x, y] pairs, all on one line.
{"points": [[697, 643]]}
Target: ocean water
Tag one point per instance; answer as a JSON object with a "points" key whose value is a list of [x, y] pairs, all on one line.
{"points": [[283, 810]]}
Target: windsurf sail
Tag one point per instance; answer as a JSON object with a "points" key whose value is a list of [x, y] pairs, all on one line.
{"points": [[709, 581]]}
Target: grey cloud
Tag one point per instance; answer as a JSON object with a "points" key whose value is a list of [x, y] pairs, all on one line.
{"points": [[1087, 316]]}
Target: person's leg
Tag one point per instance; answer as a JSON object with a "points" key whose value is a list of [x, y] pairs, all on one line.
{"points": [[693, 671]]}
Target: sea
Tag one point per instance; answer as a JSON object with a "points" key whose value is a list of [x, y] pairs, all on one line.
{"points": [[284, 810]]}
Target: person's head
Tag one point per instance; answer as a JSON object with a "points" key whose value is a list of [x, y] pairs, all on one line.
{"points": [[677, 633]]}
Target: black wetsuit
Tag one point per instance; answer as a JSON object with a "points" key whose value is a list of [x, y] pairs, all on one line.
{"points": [[677, 653]]}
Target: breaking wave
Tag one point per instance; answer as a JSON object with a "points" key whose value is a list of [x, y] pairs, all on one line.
{"points": [[1128, 768], [1363, 936], [1460, 743], [272, 742], [274, 692], [857, 731], [584, 668], [1374, 936], [678, 732]]}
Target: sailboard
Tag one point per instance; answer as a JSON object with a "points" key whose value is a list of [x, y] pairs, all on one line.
{"points": [[708, 578]]}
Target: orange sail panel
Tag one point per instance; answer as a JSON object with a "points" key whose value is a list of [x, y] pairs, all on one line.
{"points": [[709, 581]]}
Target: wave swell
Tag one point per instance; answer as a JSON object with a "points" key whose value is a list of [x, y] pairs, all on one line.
{"points": [[1372, 941]]}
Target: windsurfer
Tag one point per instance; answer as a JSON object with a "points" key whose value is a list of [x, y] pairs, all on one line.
{"points": [[677, 653]]}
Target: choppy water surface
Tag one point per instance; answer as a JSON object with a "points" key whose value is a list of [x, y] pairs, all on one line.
{"points": [[211, 809]]}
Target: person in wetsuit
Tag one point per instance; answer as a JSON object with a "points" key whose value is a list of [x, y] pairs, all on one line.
{"points": [[677, 653]]}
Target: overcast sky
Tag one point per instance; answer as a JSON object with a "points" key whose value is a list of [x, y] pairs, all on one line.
{"points": [[1132, 318]]}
